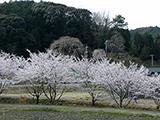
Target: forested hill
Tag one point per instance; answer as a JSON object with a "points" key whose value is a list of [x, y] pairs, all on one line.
{"points": [[154, 31], [35, 26], [30, 25]]}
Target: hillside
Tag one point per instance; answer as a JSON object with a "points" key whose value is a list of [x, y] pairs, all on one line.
{"points": [[154, 31], [31, 25], [35, 26]]}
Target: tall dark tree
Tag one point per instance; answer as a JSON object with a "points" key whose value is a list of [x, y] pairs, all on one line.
{"points": [[119, 22], [137, 45], [119, 25], [148, 47], [157, 48], [14, 38]]}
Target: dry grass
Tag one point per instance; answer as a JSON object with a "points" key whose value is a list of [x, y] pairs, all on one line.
{"points": [[76, 97]]}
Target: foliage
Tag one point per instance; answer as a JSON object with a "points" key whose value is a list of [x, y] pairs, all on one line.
{"points": [[35, 26], [68, 46], [119, 22], [157, 47], [102, 28], [154, 31], [99, 54], [105, 29], [30, 25], [137, 44], [143, 46], [116, 43], [14, 38]]}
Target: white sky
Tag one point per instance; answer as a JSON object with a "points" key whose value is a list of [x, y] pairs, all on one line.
{"points": [[138, 13]]}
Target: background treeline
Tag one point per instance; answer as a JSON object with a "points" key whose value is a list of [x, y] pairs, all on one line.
{"points": [[30, 25], [26, 24], [145, 41]]}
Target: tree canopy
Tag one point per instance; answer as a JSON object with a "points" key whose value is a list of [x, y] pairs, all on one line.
{"points": [[35, 26]]}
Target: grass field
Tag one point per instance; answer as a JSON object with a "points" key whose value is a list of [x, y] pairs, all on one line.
{"points": [[83, 98], [68, 113], [73, 97], [49, 115]]}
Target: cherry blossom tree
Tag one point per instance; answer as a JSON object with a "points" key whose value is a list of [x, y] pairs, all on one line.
{"points": [[56, 77], [154, 89], [8, 67], [49, 72], [122, 82], [84, 73], [45, 72]]}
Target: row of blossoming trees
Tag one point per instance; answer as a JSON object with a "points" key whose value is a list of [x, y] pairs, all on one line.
{"points": [[50, 74]]}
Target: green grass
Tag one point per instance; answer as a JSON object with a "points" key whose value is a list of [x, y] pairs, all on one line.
{"points": [[74, 110]]}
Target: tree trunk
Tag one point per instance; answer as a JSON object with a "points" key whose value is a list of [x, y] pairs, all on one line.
{"points": [[51, 100], [93, 101], [121, 103], [158, 107], [37, 99]]}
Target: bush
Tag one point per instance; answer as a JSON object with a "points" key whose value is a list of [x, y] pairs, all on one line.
{"points": [[68, 46]]}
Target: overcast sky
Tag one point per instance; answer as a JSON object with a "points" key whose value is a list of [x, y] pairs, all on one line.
{"points": [[138, 13]]}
